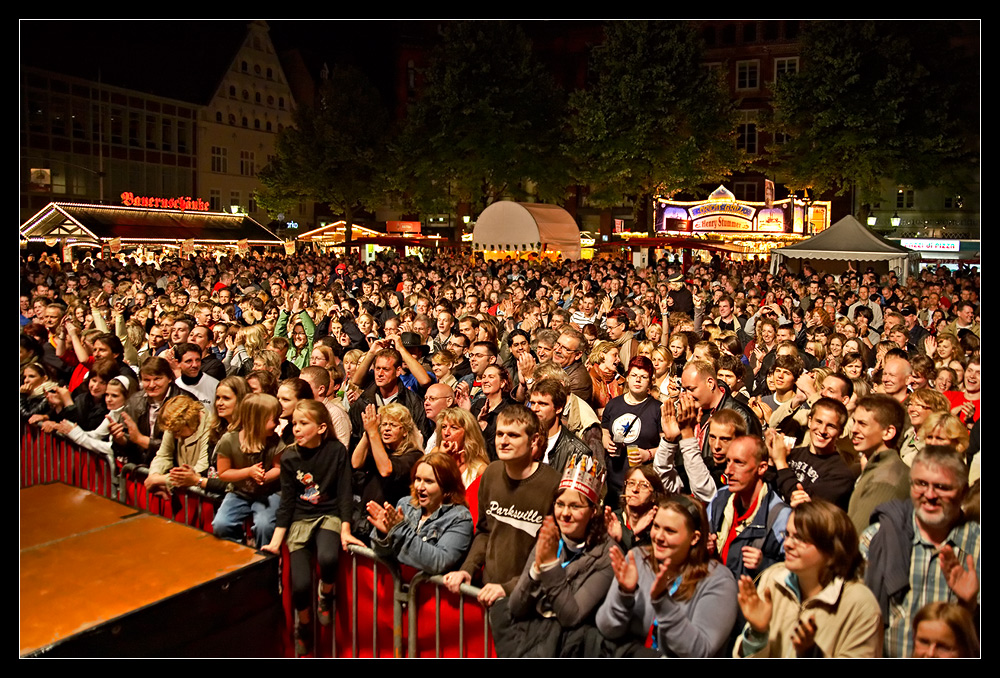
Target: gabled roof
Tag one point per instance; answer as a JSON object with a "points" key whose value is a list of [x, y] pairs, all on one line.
{"points": [[846, 239], [100, 223]]}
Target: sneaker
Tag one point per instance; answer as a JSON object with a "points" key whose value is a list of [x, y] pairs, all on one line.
{"points": [[303, 640], [325, 607]]}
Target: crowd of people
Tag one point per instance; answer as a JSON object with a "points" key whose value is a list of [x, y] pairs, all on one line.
{"points": [[689, 461]]}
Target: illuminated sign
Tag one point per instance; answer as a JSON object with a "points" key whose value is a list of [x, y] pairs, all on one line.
{"points": [[402, 227], [722, 212], [923, 245], [722, 208], [721, 223], [185, 203], [771, 220]]}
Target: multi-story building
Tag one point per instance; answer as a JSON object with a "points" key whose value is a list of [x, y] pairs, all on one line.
{"points": [[89, 141], [85, 141], [238, 125]]}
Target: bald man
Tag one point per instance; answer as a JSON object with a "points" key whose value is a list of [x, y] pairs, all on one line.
{"points": [[895, 378], [438, 397]]}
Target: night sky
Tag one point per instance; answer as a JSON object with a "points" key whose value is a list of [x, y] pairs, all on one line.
{"points": [[186, 59]]}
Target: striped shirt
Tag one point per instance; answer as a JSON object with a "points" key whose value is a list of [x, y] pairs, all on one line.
{"points": [[928, 583]]}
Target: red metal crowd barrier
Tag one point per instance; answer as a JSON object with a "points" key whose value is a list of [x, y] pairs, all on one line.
{"points": [[382, 610], [47, 458]]}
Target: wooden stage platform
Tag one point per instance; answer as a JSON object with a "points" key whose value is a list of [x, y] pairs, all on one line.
{"points": [[99, 578]]}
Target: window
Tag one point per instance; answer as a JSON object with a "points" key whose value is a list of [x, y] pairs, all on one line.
{"points": [[281, 102], [750, 32], [182, 135], [246, 122], [953, 202], [243, 66], [232, 118], [746, 132], [215, 200], [167, 134], [256, 123], [256, 97], [904, 198], [234, 198], [745, 190], [252, 203], [152, 138], [78, 118], [747, 74], [117, 121], [267, 126], [270, 74], [781, 138], [220, 162], [60, 113], [270, 100], [134, 128], [247, 168], [785, 66], [218, 116], [232, 91], [746, 137]]}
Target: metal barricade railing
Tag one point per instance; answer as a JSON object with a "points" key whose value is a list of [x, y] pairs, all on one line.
{"points": [[460, 618], [387, 590], [191, 506], [47, 458], [367, 587]]}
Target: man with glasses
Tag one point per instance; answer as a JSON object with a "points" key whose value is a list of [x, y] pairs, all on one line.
{"points": [[438, 398], [567, 353], [482, 355], [927, 551]]}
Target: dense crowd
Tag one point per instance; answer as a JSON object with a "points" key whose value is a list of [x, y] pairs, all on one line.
{"points": [[684, 461]]}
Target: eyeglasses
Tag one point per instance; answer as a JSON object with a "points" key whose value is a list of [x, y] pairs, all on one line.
{"points": [[921, 486], [637, 485], [789, 537], [572, 508]]}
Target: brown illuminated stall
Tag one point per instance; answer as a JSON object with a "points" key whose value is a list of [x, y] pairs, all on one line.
{"points": [[72, 225], [747, 227]]}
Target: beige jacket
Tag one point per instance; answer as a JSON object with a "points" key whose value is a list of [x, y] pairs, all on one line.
{"points": [[848, 621]]}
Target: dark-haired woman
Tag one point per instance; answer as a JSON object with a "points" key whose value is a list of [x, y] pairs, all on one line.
{"points": [[813, 604], [670, 598]]}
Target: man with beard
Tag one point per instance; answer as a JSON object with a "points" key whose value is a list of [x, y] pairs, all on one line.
{"points": [[921, 550]]}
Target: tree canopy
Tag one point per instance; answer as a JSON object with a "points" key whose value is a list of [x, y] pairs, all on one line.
{"points": [[876, 100], [335, 152], [654, 120], [487, 125]]}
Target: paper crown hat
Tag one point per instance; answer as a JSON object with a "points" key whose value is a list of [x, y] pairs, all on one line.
{"points": [[585, 475]]}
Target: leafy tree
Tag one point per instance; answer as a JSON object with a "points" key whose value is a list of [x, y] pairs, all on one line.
{"points": [[335, 152], [487, 125], [655, 121], [876, 100]]}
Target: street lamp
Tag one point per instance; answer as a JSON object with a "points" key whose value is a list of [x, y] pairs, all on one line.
{"points": [[895, 220]]}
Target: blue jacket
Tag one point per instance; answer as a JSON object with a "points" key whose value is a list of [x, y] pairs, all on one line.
{"points": [[436, 547], [766, 531]]}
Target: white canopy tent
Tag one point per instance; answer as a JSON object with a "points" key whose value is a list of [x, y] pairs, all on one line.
{"points": [[521, 227], [849, 241]]}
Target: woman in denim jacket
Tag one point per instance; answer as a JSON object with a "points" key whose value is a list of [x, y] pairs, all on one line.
{"points": [[431, 529]]}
